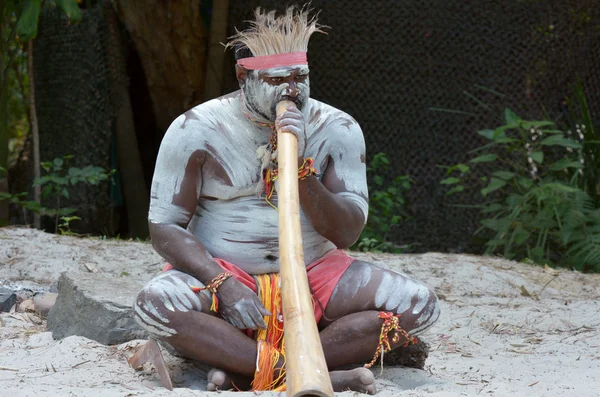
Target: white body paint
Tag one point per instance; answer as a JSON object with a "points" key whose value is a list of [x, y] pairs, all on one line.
{"points": [[167, 292], [231, 221]]}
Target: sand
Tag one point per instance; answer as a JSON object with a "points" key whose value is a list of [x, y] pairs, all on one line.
{"points": [[506, 329]]}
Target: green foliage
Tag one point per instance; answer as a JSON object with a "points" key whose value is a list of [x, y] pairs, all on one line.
{"points": [[55, 186], [538, 198], [386, 208], [27, 25]]}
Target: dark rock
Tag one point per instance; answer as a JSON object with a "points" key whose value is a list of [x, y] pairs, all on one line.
{"points": [[412, 356], [7, 299], [97, 306]]}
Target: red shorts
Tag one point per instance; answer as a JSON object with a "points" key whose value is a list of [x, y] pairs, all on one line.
{"points": [[323, 276]]}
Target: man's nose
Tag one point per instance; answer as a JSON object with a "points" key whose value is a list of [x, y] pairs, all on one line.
{"points": [[292, 89]]}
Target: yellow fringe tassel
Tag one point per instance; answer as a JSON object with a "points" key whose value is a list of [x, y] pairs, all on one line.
{"points": [[270, 343]]}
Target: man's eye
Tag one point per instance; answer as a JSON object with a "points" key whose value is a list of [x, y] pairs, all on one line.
{"points": [[301, 77], [276, 79]]}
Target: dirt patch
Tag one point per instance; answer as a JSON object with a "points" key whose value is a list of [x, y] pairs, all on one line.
{"points": [[506, 328]]}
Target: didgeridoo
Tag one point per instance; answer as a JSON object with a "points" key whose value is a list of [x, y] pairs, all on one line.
{"points": [[306, 369]]}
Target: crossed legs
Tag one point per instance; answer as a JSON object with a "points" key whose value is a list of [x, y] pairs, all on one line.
{"points": [[170, 311]]}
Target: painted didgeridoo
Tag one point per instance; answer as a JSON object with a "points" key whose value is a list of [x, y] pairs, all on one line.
{"points": [[306, 369]]}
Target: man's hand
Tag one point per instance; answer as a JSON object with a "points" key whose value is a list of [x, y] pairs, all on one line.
{"points": [[240, 306], [293, 121]]}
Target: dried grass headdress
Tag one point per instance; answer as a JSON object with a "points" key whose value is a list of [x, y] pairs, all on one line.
{"points": [[269, 34]]}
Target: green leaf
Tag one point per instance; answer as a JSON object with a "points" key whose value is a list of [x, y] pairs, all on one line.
{"points": [[538, 157], [497, 225], [504, 175], [27, 25], [520, 235], [525, 182], [460, 167], [378, 179], [41, 181], [565, 163], [559, 140], [494, 185], [536, 124], [455, 189], [559, 187], [486, 133], [485, 158], [494, 207], [450, 181], [71, 8], [511, 117]]}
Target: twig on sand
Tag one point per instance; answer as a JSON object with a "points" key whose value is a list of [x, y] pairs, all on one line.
{"points": [[549, 281], [8, 369]]}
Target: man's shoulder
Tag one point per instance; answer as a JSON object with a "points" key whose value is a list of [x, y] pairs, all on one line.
{"points": [[214, 109], [322, 116]]}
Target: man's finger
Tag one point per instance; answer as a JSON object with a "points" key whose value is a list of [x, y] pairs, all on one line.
{"points": [[248, 321], [258, 319], [262, 309]]}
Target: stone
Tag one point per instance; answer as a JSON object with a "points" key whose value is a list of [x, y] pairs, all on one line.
{"points": [[412, 356], [44, 302], [25, 306], [97, 306], [7, 299]]}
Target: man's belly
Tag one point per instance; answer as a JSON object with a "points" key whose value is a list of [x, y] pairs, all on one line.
{"points": [[244, 231]]}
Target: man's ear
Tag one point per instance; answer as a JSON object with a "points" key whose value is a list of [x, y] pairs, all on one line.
{"points": [[241, 74]]}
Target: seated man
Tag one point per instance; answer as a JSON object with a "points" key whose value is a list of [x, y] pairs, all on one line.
{"points": [[212, 218]]}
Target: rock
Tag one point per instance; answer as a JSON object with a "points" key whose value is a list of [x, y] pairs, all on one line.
{"points": [[26, 306], [44, 302], [412, 356], [7, 299], [97, 306], [34, 319]]}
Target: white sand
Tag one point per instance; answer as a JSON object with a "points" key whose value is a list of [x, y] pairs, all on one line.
{"points": [[507, 329]]}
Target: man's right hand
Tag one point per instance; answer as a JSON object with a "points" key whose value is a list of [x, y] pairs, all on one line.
{"points": [[240, 306]]}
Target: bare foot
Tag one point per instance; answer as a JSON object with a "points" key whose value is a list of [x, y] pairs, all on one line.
{"points": [[358, 379], [220, 380]]}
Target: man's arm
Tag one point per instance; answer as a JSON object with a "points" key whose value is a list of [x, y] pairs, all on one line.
{"points": [[337, 206], [176, 188]]}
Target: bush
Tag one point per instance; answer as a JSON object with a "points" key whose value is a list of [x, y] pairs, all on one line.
{"points": [[387, 208], [539, 193]]}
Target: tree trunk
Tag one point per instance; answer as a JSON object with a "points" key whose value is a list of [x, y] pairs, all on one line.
{"points": [[3, 117], [216, 56], [34, 132], [130, 164], [171, 41], [3, 144]]}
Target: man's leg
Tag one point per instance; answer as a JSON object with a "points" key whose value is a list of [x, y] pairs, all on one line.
{"points": [[170, 311], [351, 324]]}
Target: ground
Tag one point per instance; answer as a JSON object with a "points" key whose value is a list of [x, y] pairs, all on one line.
{"points": [[506, 329]]}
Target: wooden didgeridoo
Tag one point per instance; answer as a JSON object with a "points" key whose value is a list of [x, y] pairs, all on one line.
{"points": [[306, 369]]}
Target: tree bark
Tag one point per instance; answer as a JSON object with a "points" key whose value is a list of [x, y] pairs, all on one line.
{"points": [[171, 41], [3, 116], [216, 56], [34, 132], [136, 193]]}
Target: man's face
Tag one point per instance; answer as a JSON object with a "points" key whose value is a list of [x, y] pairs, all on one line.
{"points": [[264, 89]]}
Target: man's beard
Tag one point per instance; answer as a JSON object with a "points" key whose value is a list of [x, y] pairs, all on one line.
{"points": [[261, 98]]}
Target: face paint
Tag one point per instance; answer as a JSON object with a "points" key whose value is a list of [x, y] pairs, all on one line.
{"points": [[261, 98]]}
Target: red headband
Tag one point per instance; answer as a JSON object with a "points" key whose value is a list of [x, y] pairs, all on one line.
{"points": [[273, 61]]}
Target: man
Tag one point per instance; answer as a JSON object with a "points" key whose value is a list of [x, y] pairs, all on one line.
{"points": [[212, 218]]}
